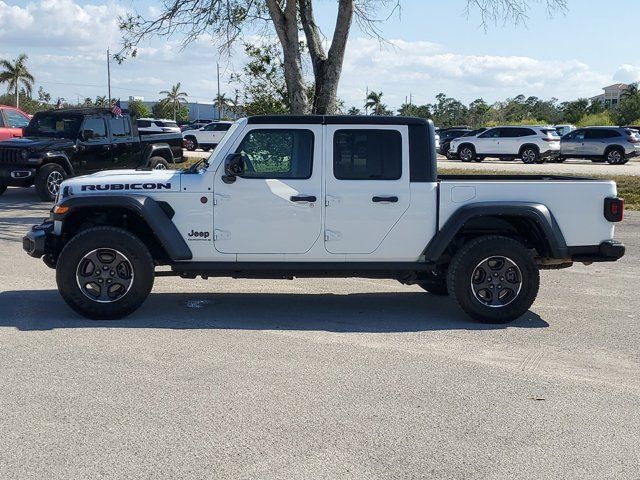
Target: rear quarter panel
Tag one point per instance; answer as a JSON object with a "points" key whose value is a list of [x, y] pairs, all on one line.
{"points": [[577, 205]]}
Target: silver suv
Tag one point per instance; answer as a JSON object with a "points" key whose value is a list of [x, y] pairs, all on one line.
{"points": [[615, 145]]}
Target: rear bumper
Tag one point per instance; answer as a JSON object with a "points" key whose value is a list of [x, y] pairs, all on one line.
{"points": [[608, 251]]}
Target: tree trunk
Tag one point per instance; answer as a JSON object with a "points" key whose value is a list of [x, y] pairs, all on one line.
{"points": [[286, 25], [326, 67], [17, 93]]}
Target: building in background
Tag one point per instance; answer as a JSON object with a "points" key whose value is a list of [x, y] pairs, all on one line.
{"points": [[612, 95]]}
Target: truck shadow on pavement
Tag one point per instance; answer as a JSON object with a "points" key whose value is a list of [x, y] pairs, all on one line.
{"points": [[382, 312]]}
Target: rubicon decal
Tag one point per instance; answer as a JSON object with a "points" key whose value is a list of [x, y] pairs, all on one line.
{"points": [[127, 186]]}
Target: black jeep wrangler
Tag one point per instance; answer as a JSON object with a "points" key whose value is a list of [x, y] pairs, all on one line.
{"points": [[58, 144]]}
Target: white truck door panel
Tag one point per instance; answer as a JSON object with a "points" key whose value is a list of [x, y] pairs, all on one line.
{"points": [[275, 207], [367, 185]]}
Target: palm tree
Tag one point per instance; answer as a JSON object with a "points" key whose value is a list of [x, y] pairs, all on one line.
{"points": [[101, 101], [223, 103], [631, 91], [16, 75], [374, 101], [354, 111], [175, 98]]}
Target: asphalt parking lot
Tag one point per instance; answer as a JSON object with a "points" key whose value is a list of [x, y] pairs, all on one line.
{"points": [[332, 379]]}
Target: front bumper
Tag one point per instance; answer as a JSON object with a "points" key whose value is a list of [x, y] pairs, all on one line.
{"points": [[17, 176], [608, 251], [37, 242]]}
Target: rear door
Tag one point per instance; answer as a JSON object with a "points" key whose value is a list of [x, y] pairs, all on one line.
{"points": [[367, 185], [272, 208], [125, 147]]}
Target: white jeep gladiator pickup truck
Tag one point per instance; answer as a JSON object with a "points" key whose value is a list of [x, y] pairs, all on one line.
{"points": [[323, 196]]}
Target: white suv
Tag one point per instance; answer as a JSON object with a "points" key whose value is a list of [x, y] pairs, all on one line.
{"points": [[206, 137], [147, 126], [532, 144]]}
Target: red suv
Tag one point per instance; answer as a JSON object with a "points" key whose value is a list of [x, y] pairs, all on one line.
{"points": [[12, 121]]}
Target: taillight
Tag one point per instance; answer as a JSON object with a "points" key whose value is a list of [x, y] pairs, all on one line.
{"points": [[634, 140], [551, 139], [614, 209]]}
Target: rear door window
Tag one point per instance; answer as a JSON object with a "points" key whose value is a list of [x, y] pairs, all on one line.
{"points": [[367, 155], [120, 127], [97, 126]]}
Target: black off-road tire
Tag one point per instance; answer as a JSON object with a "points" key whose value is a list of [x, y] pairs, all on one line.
{"points": [[3, 188], [46, 176], [158, 163], [98, 239], [470, 257]]}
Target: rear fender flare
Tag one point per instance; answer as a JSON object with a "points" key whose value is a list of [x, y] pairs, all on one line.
{"points": [[157, 150], [535, 212]]}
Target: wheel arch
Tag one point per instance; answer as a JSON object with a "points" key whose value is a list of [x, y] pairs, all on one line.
{"points": [[61, 159], [531, 223], [158, 150], [143, 216], [528, 145]]}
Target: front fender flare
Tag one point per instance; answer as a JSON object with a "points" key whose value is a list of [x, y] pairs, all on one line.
{"points": [[146, 208]]}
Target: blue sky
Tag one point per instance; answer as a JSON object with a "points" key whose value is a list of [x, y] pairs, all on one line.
{"points": [[435, 48]]}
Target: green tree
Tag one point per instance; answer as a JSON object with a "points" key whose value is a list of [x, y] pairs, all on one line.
{"points": [[354, 111], [479, 113], [628, 110], [448, 111], [101, 101], [44, 97], [225, 20], [166, 110], [16, 75], [175, 98], [574, 110], [139, 109], [374, 104], [412, 110]]}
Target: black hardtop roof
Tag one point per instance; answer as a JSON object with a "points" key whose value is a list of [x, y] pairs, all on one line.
{"points": [[83, 111], [336, 120]]}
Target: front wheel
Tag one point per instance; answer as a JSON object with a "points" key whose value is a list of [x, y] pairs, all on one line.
{"points": [[494, 279], [48, 181], [615, 156], [467, 154], [105, 273]]}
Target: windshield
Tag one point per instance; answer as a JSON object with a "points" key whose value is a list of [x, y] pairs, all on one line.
{"points": [[219, 148], [52, 124]]}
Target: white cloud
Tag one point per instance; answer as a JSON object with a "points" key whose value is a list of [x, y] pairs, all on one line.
{"points": [[627, 74], [426, 69], [66, 42]]}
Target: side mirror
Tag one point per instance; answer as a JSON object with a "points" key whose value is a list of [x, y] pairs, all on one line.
{"points": [[87, 134], [234, 165]]}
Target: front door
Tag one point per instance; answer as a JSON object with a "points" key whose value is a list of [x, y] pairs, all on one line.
{"points": [[94, 149], [274, 207], [572, 144], [488, 142], [367, 186]]}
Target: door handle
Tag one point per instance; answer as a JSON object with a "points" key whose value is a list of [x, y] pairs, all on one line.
{"points": [[303, 198], [393, 199]]}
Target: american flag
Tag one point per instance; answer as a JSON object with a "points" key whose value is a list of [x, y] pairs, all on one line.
{"points": [[116, 109]]}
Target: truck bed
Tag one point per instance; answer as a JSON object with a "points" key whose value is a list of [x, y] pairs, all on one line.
{"points": [[577, 204]]}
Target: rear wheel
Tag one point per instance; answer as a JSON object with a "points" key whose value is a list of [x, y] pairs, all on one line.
{"points": [[615, 156], [494, 279], [48, 180], [530, 155], [190, 143], [467, 153], [105, 273], [158, 163]]}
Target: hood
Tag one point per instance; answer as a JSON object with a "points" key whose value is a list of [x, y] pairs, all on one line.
{"points": [[38, 143], [133, 182]]}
